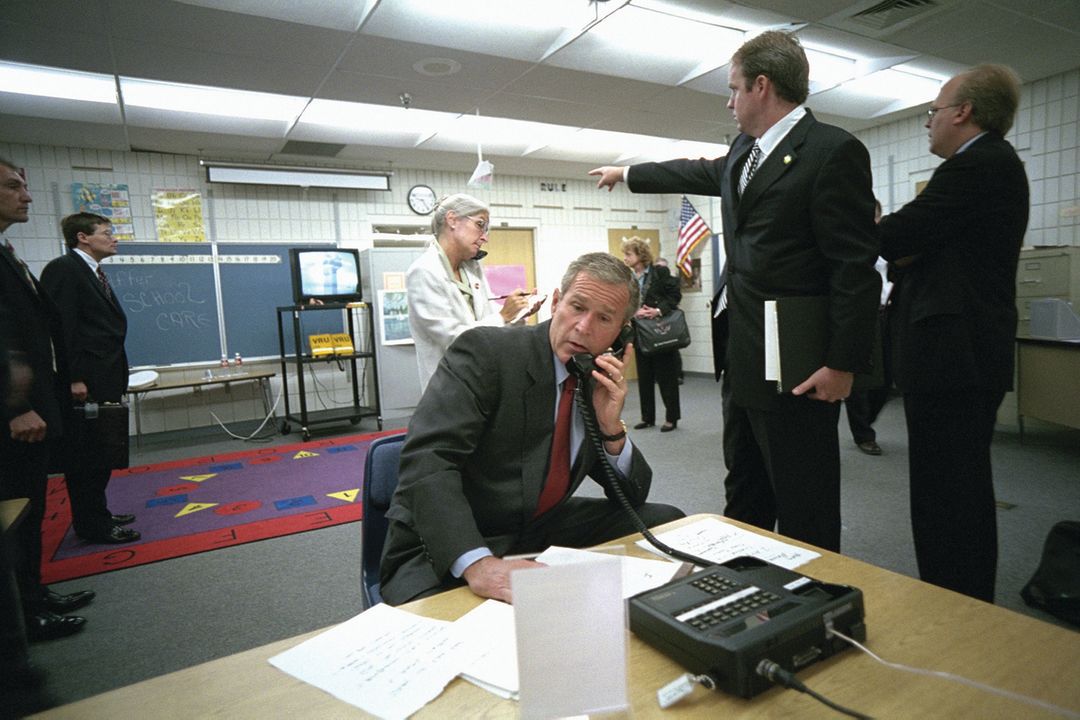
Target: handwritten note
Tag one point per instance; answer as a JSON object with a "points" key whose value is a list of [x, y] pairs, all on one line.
{"points": [[719, 542], [385, 661]]}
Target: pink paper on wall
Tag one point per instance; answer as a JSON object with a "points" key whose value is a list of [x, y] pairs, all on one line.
{"points": [[505, 279]]}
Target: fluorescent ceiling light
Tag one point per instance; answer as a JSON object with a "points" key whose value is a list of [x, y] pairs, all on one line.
{"points": [[205, 100], [50, 82], [377, 118], [828, 69], [532, 15], [666, 48], [294, 176], [895, 84], [493, 131]]}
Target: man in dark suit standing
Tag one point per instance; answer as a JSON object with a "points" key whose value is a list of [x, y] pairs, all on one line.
{"points": [[798, 214], [498, 445], [32, 418], [957, 245], [94, 327]]}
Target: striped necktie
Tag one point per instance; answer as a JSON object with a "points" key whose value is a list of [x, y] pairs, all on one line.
{"points": [[749, 167]]}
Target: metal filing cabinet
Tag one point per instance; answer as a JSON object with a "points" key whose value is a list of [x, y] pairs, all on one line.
{"points": [[1046, 272]]}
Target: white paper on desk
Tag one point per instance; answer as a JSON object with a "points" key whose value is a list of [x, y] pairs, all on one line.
{"points": [[718, 541], [571, 639], [385, 661], [490, 625], [638, 574]]}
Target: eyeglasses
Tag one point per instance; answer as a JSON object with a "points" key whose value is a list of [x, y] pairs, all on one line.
{"points": [[934, 110], [483, 225]]}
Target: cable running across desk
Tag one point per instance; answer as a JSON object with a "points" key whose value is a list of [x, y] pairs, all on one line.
{"points": [[1064, 712]]}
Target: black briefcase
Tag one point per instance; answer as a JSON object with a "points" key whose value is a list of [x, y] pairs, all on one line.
{"points": [[100, 437]]}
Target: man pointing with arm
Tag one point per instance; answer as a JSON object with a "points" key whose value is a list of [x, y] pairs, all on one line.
{"points": [[798, 220]]}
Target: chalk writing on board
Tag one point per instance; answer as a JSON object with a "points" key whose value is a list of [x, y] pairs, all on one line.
{"points": [[174, 304]]}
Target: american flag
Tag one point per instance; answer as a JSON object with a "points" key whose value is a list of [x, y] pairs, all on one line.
{"points": [[692, 229]]}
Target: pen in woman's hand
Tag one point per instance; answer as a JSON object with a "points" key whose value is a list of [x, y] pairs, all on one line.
{"points": [[522, 293]]}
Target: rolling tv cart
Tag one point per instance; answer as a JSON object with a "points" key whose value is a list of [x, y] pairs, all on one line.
{"points": [[301, 358]]}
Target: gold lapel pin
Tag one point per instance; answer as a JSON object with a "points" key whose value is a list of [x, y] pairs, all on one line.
{"points": [[787, 159]]}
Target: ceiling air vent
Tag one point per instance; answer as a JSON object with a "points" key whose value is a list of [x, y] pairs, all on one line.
{"points": [[317, 149], [889, 13]]}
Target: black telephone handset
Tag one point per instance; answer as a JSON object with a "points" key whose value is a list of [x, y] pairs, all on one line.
{"points": [[582, 364]]}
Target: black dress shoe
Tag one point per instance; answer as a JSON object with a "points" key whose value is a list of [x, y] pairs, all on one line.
{"points": [[66, 603], [123, 519], [50, 626], [669, 426], [642, 425], [870, 447], [115, 535]]}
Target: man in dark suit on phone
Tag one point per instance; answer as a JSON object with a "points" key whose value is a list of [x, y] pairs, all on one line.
{"points": [[957, 246], [798, 220], [29, 329], [94, 327], [498, 445]]}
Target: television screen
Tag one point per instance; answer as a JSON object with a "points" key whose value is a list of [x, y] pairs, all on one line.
{"points": [[330, 275]]}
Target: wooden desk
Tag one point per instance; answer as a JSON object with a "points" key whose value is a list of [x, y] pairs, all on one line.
{"points": [[907, 620], [1047, 381], [259, 376]]}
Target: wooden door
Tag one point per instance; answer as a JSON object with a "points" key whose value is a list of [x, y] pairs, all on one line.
{"points": [[513, 246], [616, 236]]}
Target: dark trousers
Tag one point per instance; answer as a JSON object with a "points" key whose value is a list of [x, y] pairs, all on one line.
{"points": [[582, 522], [953, 512], [90, 516], [784, 468], [747, 488], [857, 406], [24, 474], [661, 369], [864, 406]]}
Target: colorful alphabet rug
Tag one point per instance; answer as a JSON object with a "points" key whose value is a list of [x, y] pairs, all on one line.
{"points": [[189, 506]]}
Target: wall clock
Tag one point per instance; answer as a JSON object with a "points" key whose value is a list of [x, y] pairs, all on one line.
{"points": [[421, 199]]}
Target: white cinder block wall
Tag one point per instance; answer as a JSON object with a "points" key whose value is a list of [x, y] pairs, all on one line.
{"points": [[566, 223]]}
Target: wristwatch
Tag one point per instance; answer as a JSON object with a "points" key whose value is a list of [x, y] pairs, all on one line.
{"points": [[617, 436]]}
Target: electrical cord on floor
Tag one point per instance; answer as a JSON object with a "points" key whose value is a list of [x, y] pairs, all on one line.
{"points": [[1064, 712], [785, 678], [252, 437]]}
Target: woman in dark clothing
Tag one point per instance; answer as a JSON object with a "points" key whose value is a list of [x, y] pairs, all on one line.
{"points": [[660, 294]]}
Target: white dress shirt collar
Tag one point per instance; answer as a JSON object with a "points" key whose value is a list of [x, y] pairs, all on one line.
{"points": [[779, 131], [89, 260]]}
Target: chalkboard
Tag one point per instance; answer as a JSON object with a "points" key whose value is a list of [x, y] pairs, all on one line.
{"points": [[255, 280], [168, 293]]}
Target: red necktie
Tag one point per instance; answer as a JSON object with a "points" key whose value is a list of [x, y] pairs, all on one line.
{"points": [[558, 477], [105, 283]]}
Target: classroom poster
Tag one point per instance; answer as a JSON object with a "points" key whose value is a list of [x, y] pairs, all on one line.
{"points": [[110, 201], [394, 317], [178, 215]]}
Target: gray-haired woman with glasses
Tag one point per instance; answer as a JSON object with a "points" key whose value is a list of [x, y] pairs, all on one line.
{"points": [[447, 291]]}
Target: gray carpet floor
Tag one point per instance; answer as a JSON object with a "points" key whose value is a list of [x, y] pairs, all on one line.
{"points": [[162, 617]]}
